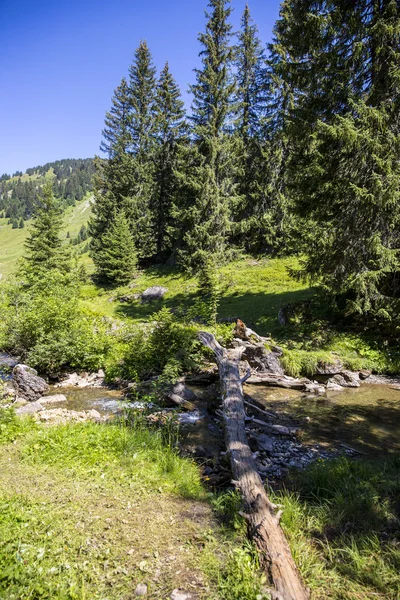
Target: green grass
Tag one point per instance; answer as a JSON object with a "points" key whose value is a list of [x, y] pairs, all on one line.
{"points": [[11, 247], [251, 290], [342, 519], [90, 511], [255, 291], [12, 240]]}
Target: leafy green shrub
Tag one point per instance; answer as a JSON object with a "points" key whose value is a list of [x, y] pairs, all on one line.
{"points": [[46, 325], [168, 347]]}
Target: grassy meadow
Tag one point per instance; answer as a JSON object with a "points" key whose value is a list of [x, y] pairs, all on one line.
{"points": [[12, 240], [91, 511]]}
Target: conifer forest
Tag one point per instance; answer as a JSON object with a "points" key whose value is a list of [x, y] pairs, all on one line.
{"points": [[200, 325]]}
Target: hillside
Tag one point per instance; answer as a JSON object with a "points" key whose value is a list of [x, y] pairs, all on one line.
{"points": [[12, 239], [20, 192]]}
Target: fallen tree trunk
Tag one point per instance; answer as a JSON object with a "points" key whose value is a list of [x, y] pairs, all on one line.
{"points": [[284, 381], [263, 523]]}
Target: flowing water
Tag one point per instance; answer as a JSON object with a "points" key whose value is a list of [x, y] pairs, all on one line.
{"points": [[103, 400], [366, 418]]}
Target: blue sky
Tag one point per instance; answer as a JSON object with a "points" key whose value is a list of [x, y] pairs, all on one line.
{"points": [[60, 62]]}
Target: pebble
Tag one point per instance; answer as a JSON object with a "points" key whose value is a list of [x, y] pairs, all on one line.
{"points": [[178, 595], [141, 589]]}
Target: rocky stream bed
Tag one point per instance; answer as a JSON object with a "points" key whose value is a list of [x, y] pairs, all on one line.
{"points": [[287, 428]]}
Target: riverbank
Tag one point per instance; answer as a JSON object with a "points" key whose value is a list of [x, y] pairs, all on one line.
{"points": [[95, 510]]}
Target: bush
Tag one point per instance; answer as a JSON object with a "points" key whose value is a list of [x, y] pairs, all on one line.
{"points": [[169, 347], [46, 325]]}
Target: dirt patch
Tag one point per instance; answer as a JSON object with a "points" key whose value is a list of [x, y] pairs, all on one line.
{"points": [[122, 537]]}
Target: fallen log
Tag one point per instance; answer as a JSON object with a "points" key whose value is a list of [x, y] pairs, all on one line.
{"points": [[284, 381], [262, 522], [277, 429], [260, 410]]}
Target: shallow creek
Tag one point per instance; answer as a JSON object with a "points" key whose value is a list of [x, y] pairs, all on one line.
{"points": [[366, 419]]}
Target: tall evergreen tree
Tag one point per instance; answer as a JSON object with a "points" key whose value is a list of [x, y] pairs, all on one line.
{"points": [[113, 178], [116, 133], [250, 112], [117, 258], [210, 190], [343, 126], [44, 247], [171, 134], [137, 203], [250, 64], [142, 86]]}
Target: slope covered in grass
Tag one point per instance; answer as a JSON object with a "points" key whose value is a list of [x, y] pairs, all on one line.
{"points": [[91, 511], [255, 291], [12, 240]]}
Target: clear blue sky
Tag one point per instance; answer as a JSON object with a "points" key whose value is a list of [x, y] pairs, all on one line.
{"points": [[60, 62]]}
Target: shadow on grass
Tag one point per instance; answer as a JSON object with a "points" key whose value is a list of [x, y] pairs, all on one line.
{"points": [[353, 497], [257, 310]]}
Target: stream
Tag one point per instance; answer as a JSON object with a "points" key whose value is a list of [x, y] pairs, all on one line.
{"points": [[362, 421], [365, 419]]}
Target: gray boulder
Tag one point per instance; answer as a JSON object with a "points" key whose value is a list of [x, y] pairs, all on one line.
{"points": [[29, 409], [265, 443], [364, 374], [153, 293], [28, 384], [346, 379], [180, 395], [55, 398], [260, 359], [329, 368]]}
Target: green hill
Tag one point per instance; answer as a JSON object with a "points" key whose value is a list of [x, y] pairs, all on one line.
{"points": [[12, 240], [20, 192]]}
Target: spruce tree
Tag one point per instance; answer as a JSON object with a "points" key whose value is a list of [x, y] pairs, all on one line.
{"points": [[114, 176], [43, 245], [137, 202], [343, 127], [117, 258], [171, 135], [209, 195], [250, 112], [116, 133], [250, 65], [208, 292]]}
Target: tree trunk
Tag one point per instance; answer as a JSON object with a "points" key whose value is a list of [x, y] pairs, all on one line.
{"points": [[262, 522]]}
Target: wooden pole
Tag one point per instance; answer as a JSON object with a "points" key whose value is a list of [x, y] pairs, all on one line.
{"points": [[262, 522]]}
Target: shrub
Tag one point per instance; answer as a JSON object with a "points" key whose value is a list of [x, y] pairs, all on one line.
{"points": [[46, 325], [168, 347]]}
